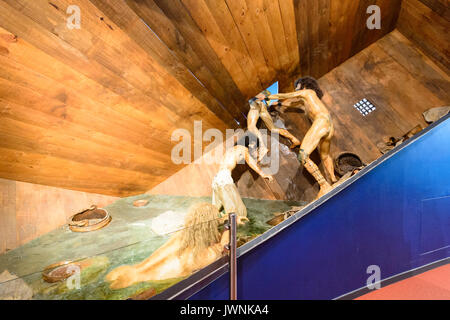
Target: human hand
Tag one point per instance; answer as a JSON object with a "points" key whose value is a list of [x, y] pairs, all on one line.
{"points": [[260, 96], [240, 220], [262, 151], [264, 95]]}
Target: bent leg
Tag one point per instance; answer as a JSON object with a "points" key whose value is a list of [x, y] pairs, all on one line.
{"points": [[252, 120], [265, 116], [232, 203], [311, 141], [324, 150], [313, 169]]}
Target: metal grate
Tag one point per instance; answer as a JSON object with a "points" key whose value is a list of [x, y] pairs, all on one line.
{"points": [[364, 107]]}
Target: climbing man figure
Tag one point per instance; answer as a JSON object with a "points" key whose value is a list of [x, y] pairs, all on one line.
{"points": [[307, 97], [258, 109]]}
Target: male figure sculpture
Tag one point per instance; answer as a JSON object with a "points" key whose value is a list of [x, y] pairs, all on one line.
{"points": [[225, 192], [308, 97], [258, 109]]}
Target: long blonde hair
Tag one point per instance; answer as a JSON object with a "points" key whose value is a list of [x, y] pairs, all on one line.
{"points": [[201, 227]]}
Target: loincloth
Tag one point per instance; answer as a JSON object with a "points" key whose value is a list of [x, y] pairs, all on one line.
{"points": [[222, 178], [226, 194]]}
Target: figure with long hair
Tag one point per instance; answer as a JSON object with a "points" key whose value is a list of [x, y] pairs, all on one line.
{"points": [[197, 245]]}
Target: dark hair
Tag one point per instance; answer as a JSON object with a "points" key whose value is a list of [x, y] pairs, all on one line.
{"points": [[309, 83], [252, 100], [247, 139]]}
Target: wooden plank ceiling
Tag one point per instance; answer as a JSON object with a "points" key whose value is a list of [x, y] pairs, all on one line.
{"points": [[93, 109]]}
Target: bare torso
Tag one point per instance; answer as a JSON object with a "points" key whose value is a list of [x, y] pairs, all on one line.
{"points": [[258, 109], [232, 157], [318, 136], [308, 101], [313, 106]]}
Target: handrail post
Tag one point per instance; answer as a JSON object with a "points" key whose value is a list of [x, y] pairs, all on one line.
{"points": [[233, 259]]}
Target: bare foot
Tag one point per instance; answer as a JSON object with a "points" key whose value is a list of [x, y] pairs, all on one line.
{"points": [[240, 220], [324, 190]]}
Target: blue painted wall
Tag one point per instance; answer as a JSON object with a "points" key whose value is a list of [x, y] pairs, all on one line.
{"points": [[396, 216]]}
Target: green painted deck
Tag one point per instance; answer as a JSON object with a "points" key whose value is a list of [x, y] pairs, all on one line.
{"points": [[128, 239]]}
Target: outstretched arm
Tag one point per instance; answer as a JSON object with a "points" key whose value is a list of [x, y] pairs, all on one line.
{"points": [[294, 103], [280, 96], [291, 100], [252, 164], [285, 96]]}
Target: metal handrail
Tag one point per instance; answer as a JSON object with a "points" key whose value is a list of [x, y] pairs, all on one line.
{"points": [[233, 257]]}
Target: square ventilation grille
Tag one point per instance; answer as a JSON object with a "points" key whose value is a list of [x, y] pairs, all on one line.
{"points": [[364, 107]]}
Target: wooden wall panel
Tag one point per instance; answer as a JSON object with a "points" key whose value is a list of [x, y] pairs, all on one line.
{"points": [[201, 65], [331, 31], [103, 101], [241, 15], [225, 42], [290, 33], [441, 7], [30, 210], [426, 23], [257, 15], [392, 73], [84, 93], [94, 109], [7, 215]]}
